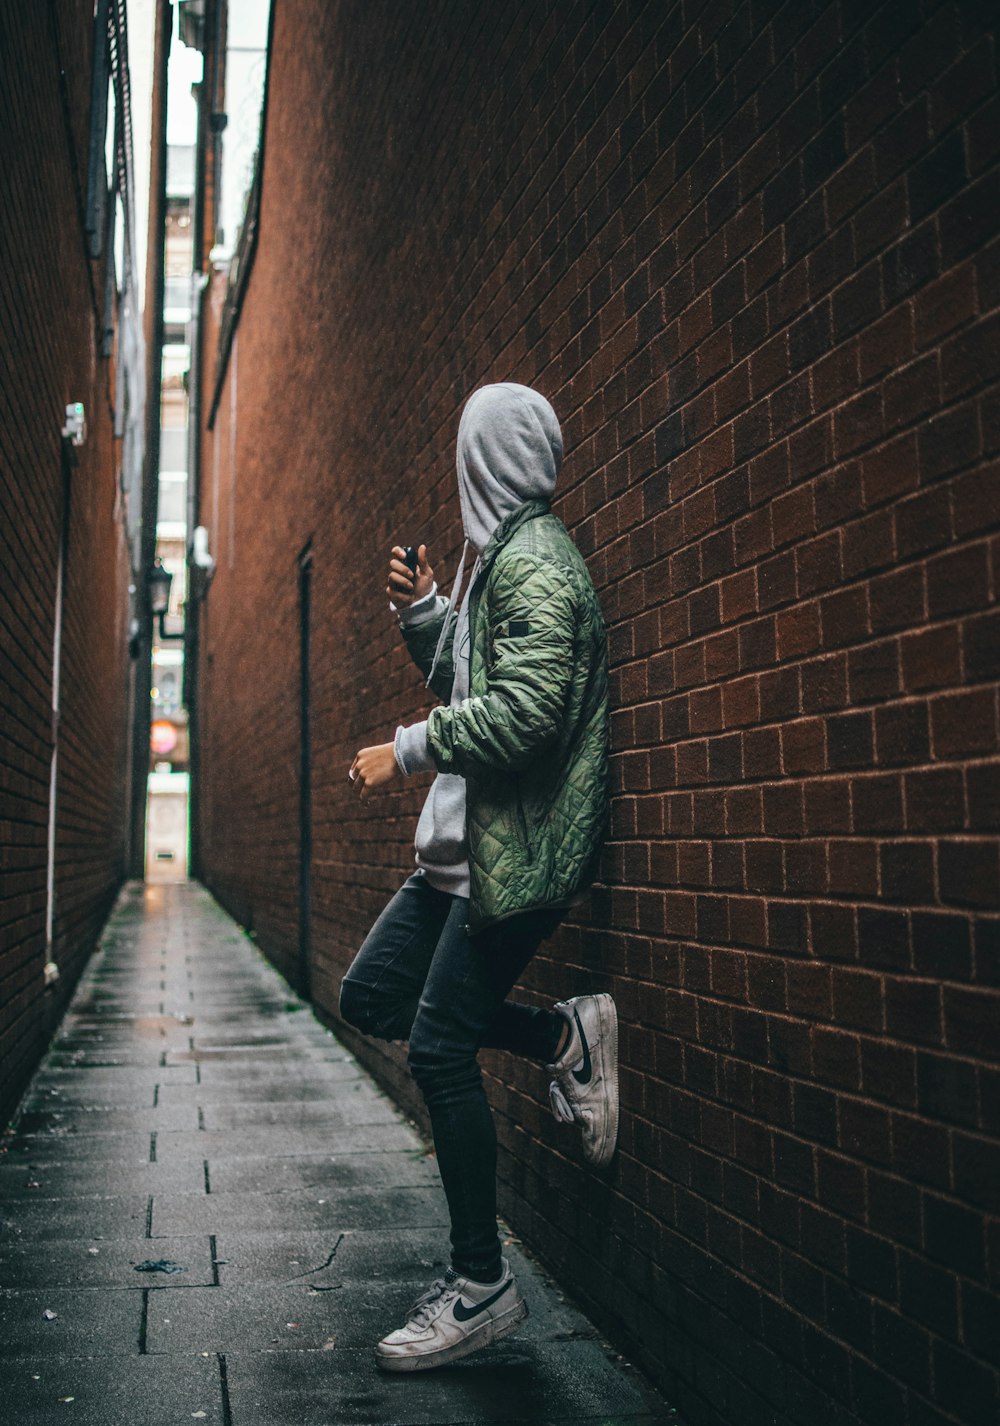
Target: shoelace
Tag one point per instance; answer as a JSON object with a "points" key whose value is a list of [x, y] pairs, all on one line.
{"points": [[420, 1311], [560, 1104], [565, 1112]]}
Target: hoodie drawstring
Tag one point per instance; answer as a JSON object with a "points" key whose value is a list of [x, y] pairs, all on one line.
{"points": [[453, 599]]}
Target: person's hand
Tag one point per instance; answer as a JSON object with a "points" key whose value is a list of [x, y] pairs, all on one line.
{"points": [[372, 768], [405, 588]]}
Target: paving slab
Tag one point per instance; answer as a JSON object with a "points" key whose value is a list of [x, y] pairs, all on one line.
{"points": [[83, 1322], [407, 1255], [244, 1066], [192, 1113], [95, 1081], [38, 1179], [42, 1219], [147, 1391], [320, 1172], [519, 1380], [281, 1140], [107, 1263], [291, 1087], [77, 1148], [85, 1120], [327, 1208], [328, 1115]]}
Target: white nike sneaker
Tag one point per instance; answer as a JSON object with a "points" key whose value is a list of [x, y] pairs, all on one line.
{"points": [[454, 1317], [585, 1087]]}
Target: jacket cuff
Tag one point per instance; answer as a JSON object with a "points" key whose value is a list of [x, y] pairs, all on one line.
{"points": [[410, 748], [420, 611]]}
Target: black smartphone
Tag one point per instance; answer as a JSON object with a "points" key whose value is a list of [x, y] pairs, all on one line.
{"points": [[410, 558]]}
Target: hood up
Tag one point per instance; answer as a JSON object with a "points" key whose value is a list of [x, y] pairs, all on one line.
{"points": [[509, 451]]}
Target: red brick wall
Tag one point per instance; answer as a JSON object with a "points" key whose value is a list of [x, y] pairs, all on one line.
{"points": [[48, 291], [749, 251]]}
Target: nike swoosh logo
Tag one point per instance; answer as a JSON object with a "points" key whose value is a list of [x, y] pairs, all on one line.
{"points": [[465, 1314], [584, 1075]]}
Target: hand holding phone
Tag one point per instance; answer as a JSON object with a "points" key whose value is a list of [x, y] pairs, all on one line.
{"points": [[410, 575]]}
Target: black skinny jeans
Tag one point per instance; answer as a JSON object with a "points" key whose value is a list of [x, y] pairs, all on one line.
{"points": [[419, 976]]}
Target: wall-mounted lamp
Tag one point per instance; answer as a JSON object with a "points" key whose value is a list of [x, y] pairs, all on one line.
{"points": [[158, 585], [75, 429], [201, 564]]}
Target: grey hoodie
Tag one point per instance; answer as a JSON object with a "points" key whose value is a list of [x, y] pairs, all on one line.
{"points": [[509, 451]]}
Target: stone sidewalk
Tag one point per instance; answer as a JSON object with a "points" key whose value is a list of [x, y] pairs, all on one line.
{"points": [[209, 1212]]}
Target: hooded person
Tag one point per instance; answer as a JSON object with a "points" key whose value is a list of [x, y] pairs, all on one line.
{"points": [[507, 840]]}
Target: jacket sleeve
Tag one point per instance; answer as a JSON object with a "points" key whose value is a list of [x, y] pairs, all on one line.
{"points": [[531, 610], [421, 640]]}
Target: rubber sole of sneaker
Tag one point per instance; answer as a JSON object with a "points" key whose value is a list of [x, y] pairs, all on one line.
{"points": [[602, 1154], [483, 1336]]}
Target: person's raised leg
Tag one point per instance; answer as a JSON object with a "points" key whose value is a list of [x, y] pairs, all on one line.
{"points": [[577, 1041]]}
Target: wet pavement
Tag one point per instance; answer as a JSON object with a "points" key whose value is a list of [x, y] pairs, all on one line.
{"points": [[209, 1212]]}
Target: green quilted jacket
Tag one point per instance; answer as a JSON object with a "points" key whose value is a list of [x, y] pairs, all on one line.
{"points": [[531, 740]]}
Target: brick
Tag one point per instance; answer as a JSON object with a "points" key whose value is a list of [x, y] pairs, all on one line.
{"points": [[884, 936], [981, 653], [946, 1088], [913, 1010], [983, 792], [909, 264], [977, 1169], [871, 1263], [970, 358], [953, 1235], [949, 441], [853, 869], [824, 684], [906, 870], [957, 1376], [928, 1294], [963, 724], [948, 303], [931, 658], [849, 740], [901, 733], [873, 672], [844, 617], [970, 1019], [965, 221], [889, 1072]]}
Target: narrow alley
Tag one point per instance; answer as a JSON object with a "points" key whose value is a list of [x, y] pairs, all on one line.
{"points": [[518, 478], [205, 1188]]}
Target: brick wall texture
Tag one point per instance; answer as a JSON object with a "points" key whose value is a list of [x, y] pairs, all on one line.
{"points": [[50, 295], [749, 251]]}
